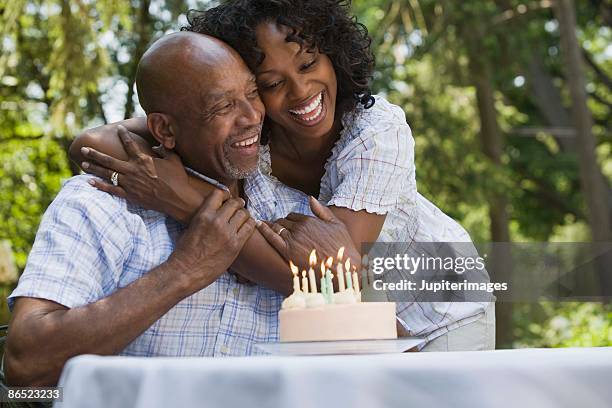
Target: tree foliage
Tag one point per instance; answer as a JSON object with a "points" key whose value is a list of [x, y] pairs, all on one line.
{"points": [[68, 65]]}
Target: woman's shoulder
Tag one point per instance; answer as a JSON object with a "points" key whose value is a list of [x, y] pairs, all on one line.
{"points": [[380, 128], [383, 114]]}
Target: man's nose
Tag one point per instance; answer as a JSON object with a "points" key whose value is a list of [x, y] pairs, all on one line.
{"points": [[251, 112]]}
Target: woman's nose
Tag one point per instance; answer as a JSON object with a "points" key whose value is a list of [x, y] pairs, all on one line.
{"points": [[299, 89]]}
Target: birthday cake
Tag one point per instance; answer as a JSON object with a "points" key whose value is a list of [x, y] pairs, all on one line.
{"points": [[323, 314]]}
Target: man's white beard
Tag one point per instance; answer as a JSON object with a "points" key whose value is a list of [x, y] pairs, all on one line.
{"points": [[236, 172]]}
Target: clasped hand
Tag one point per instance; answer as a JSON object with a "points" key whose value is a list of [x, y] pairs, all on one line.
{"points": [[295, 236]]}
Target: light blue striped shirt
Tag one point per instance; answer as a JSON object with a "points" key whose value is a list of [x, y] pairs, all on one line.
{"points": [[89, 244]]}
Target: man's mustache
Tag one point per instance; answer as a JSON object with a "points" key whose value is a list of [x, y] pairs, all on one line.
{"points": [[246, 133]]}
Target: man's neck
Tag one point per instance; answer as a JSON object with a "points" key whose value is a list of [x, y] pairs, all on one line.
{"points": [[235, 187]]}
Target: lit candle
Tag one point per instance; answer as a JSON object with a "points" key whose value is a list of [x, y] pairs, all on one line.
{"points": [[328, 277], [296, 279], [347, 268], [311, 273], [323, 285], [355, 281], [304, 282], [339, 271]]}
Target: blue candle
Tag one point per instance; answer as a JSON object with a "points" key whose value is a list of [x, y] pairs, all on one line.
{"points": [[349, 281], [323, 288], [329, 285], [324, 283]]}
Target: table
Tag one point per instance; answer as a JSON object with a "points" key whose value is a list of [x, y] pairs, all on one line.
{"points": [[579, 377]]}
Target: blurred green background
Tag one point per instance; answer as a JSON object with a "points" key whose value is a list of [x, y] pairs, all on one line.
{"points": [[509, 102]]}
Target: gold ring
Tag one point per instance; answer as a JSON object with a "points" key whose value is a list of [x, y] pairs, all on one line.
{"points": [[115, 178]]}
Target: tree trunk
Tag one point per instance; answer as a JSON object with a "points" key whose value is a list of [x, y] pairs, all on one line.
{"points": [[492, 142], [592, 186], [144, 28], [547, 98]]}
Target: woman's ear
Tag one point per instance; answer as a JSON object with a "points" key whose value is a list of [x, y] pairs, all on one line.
{"points": [[163, 129]]}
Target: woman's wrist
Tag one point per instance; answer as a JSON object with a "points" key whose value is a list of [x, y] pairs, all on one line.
{"points": [[189, 203]]}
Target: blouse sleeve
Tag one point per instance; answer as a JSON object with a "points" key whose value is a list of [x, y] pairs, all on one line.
{"points": [[375, 170]]}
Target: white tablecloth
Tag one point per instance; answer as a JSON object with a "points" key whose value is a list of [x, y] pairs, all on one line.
{"points": [[505, 378]]}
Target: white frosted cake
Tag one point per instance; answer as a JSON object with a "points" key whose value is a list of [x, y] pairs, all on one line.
{"points": [[356, 321], [313, 315]]}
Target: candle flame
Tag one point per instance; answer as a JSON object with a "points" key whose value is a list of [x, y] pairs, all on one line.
{"points": [[313, 258], [322, 269], [340, 254], [347, 264], [294, 269], [329, 262]]}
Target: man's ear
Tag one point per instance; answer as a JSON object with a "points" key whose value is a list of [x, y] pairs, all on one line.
{"points": [[163, 129]]}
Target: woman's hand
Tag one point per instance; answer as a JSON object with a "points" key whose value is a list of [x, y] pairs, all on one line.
{"points": [[297, 235], [153, 183]]}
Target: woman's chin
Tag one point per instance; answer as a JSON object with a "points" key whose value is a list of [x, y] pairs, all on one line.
{"points": [[320, 130]]}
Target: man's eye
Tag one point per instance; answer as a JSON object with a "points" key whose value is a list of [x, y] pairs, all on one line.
{"points": [[253, 94], [224, 109]]}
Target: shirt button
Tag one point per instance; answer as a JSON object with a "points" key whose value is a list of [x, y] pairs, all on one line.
{"points": [[224, 349], [235, 290]]}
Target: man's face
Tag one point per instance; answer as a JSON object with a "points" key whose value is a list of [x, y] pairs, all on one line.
{"points": [[219, 122]]}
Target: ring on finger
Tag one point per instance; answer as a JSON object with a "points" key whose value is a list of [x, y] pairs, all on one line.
{"points": [[114, 178], [281, 230]]}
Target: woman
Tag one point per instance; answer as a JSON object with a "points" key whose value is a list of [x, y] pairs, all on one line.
{"points": [[326, 135]]}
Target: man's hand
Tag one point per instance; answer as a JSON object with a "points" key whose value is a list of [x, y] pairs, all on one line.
{"points": [[45, 334], [213, 240], [297, 235]]}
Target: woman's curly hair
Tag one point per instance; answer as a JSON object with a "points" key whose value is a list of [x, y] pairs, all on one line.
{"points": [[325, 25]]}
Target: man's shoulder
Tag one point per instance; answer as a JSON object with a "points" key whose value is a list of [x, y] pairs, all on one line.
{"points": [[79, 187], [78, 198]]}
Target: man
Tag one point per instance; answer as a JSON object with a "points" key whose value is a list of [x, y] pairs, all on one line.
{"points": [[107, 277]]}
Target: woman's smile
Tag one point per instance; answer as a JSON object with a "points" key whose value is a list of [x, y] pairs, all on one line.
{"points": [[312, 112]]}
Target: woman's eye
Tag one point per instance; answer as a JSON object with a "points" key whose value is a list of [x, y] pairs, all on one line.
{"points": [[271, 85], [308, 64]]}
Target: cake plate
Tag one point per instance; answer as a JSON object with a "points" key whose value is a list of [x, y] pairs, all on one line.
{"points": [[320, 348]]}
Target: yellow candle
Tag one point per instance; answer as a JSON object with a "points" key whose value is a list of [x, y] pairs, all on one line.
{"points": [[311, 272], [296, 279], [339, 271], [304, 282]]}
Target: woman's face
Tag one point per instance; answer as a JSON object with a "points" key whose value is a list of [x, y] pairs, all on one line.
{"points": [[297, 87]]}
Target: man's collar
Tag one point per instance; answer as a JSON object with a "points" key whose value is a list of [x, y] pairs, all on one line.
{"points": [[207, 179]]}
